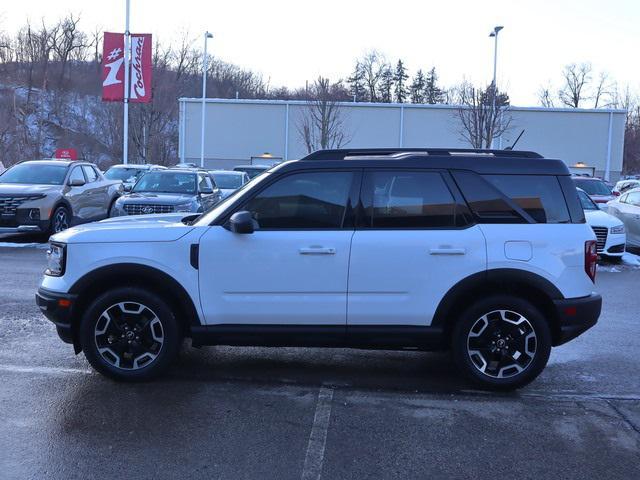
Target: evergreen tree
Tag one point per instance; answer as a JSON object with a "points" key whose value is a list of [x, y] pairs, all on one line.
{"points": [[432, 93], [417, 88], [399, 78], [386, 85], [356, 85]]}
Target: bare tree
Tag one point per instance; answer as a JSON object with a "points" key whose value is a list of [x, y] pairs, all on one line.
{"points": [[373, 66], [545, 97], [322, 124], [479, 121], [604, 91], [575, 81]]}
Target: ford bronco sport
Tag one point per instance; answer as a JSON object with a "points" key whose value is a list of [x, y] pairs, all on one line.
{"points": [[483, 252]]}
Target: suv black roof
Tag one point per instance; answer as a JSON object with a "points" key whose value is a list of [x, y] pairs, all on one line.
{"points": [[480, 161]]}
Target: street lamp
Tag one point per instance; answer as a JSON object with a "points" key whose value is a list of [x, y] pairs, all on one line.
{"points": [[207, 36], [494, 35]]}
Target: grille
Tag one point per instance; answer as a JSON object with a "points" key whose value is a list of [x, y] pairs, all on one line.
{"points": [[9, 205], [142, 209], [601, 237]]}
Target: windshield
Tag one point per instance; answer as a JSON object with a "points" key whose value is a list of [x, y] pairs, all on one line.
{"points": [[124, 174], [228, 180], [592, 187], [587, 203], [252, 171], [32, 173], [167, 182], [210, 215]]}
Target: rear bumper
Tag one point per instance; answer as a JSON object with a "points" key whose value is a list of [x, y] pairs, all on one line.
{"points": [[576, 316], [61, 316]]}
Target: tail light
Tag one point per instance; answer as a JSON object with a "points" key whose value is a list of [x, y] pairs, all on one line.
{"points": [[590, 259]]}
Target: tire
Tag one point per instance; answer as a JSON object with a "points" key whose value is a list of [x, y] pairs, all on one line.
{"points": [[501, 343], [60, 220], [130, 334], [110, 211]]}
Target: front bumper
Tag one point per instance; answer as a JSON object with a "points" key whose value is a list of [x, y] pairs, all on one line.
{"points": [[22, 221], [576, 316], [58, 307]]}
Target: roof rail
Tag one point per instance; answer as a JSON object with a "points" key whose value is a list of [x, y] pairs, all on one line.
{"points": [[341, 154]]}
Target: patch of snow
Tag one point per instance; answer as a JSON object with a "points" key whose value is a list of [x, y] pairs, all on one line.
{"points": [[23, 245], [631, 259]]}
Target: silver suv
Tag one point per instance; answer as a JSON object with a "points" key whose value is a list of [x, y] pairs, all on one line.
{"points": [[48, 196]]}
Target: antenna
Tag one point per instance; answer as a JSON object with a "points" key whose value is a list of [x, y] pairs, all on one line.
{"points": [[516, 141]]}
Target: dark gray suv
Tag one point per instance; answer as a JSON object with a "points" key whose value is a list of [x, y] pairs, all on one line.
{"points": [[169, 191]]}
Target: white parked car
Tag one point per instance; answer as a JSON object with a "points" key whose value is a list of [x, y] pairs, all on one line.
{"points": [[609, 230], [486, 253], [624, 185], [627, 208]]}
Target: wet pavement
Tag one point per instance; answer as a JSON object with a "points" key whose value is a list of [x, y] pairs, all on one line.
{"points": [[230, 412]]}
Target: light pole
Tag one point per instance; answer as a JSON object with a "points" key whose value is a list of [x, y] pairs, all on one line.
{"points": [[494, 88], [207, 36]]}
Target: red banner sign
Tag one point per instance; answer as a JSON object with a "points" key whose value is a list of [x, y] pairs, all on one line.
{"points": [[66, 153], [113, 68]]}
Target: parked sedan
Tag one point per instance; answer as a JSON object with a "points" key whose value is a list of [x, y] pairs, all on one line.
{"points": [[624, 185], [169, 191], [627, 208], [129, 174], [229, 181], [48, 196], [596, 189], [610, 231], [252, 170]]}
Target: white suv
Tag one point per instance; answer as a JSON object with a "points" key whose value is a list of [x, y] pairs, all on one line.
{"points": [[483, 252]]}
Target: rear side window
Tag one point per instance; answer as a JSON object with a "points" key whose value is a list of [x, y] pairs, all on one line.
{"points": [[407, 199], [313, 200], [538, 195]]}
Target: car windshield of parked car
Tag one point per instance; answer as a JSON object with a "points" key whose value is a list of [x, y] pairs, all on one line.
{"points": [[593, 187], [228, 180], [587, 203], [123, 174], [30, 173], [167, 182]]}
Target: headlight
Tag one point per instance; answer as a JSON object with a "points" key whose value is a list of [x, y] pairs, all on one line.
{"points": [[184, 207], [56, 260], [617, 229]]}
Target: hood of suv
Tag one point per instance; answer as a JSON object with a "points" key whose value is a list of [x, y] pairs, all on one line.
{"points": [[143, 228], [157, 198], [599, 218], [26, 189]]}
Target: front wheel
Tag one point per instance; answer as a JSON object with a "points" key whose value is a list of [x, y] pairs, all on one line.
{"points": [[130, 334], [60, 220], [502, 342]]}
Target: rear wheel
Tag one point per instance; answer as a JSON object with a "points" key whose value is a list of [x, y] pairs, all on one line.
{"points": [[130, 334], [502, 342]]}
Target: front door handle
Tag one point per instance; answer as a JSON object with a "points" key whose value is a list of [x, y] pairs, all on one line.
{"points": [[317, 251], [447, 251]]}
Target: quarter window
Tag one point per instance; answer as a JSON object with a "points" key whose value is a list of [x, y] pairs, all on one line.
{"points": [[407, 199], [538, 195], [313, 200]]}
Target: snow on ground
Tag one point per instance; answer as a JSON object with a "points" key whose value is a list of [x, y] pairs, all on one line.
{"points": [[629, 261], [23, 245]]}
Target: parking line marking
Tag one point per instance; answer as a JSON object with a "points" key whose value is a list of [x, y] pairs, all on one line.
{"points": [[42, 370], [314, 458]]}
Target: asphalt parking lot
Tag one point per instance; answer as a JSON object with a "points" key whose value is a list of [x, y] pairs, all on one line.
{"points": [[308, 413]]}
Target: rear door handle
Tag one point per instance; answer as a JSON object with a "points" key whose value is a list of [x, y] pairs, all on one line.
{"points": [[317, 251], [447, 251]]}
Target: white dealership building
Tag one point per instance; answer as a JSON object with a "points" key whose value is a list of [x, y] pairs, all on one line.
{"points": [[243, 131]]}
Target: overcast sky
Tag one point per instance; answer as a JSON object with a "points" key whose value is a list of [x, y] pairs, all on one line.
{"points": [[290, 41]]}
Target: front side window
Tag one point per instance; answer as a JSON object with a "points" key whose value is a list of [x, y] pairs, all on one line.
{"points": [[633, 198], [204, 184], [76, 174], [90, 173], [585, 200], [313, 200], [407, 199]]}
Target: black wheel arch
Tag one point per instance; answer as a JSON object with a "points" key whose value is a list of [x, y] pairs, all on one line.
{"points": [[528, 285], [97, 281]]}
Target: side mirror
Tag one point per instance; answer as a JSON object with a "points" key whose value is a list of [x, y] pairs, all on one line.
{"points": [[76, 182], [241, 222], [127, 187]]}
